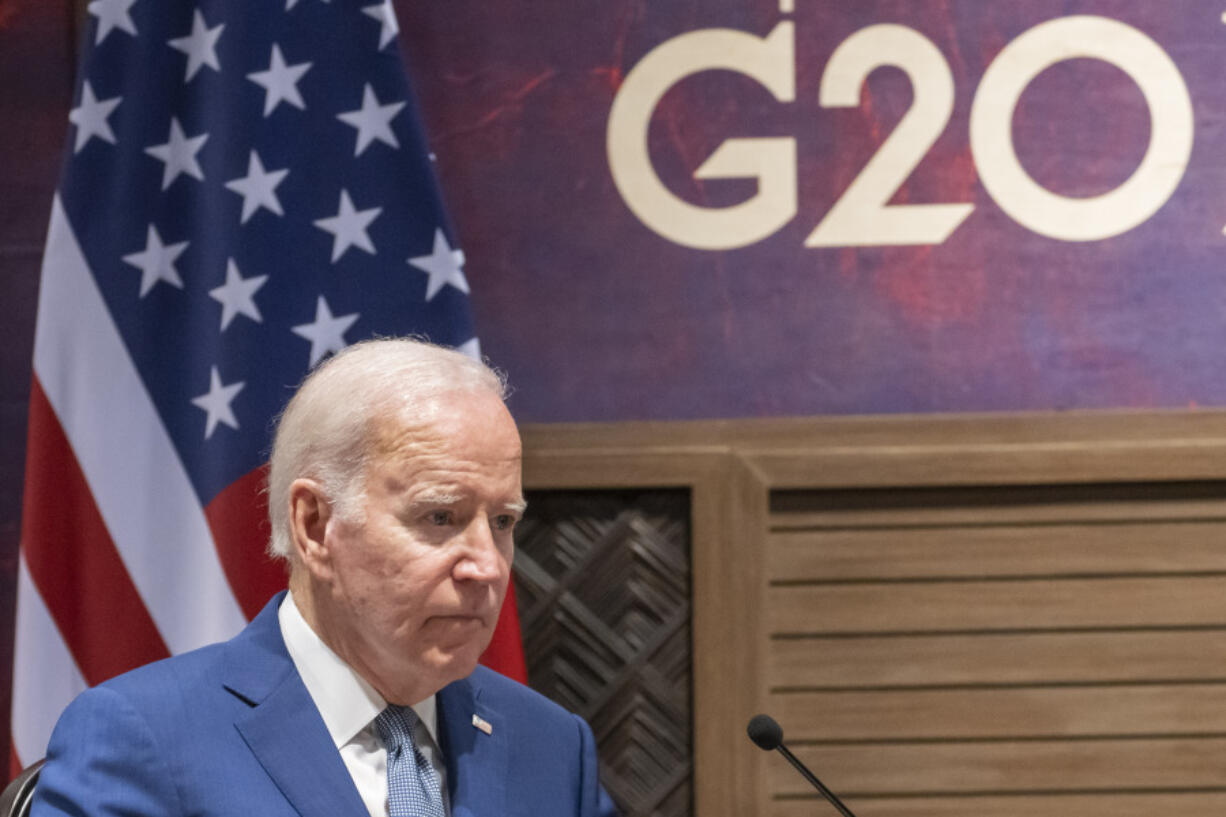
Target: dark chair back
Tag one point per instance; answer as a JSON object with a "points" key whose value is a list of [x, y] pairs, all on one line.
{"points": [[16, 797]]}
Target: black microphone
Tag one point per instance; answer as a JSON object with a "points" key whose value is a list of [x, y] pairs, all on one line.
{"points": [[767, 734]]}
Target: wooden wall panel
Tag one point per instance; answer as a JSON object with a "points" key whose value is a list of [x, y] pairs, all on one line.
{"points": [[997, 616], [1036, 767], [988, 640], [1029, 712], [994, 658], [976, 606], [728, 512], [994, 549]]}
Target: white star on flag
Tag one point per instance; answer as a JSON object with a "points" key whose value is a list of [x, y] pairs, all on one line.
{"points": [[200, 46], [157, 261], [237, 295], [178, 153], [348, 227], [386, 15], [327, 334], [90, 117], [373, 121], [216, 403], [280, 81], [471, 347], [258, 188], [444, 266], [112, 14]]}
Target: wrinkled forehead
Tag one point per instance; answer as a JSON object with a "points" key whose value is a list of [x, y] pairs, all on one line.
{"points": [[467, 424]]}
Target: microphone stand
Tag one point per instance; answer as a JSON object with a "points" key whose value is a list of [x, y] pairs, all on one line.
{"points": [[817, 784]]}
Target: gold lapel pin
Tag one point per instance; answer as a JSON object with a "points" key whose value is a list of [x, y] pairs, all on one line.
{"points": [[482, 724]]}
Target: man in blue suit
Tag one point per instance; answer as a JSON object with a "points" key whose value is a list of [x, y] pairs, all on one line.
{"points": [[394, 489]]}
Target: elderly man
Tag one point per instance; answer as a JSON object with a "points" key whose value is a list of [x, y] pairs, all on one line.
{"points": [[393, 493]]}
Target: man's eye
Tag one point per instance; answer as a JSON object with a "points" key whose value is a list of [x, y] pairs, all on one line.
{"points": [[439, 517], [504, 521]]}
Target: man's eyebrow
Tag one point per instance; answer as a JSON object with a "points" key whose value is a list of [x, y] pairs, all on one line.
{"points": [[433, 499], [439, 498]]}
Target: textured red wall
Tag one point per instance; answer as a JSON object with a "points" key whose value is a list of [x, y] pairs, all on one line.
{"points": [[37, 45]]}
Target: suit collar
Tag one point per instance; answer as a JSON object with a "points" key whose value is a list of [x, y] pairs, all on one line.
{"points": [[283, 728], [346, 702], [477, 762], [256, 661]]}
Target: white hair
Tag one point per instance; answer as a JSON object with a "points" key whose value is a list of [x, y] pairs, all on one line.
{"points": [[326, 431]]}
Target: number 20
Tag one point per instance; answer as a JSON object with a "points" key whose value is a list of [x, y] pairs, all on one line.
{"points": [[862, 215]]}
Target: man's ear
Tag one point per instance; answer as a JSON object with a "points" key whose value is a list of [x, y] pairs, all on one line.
{"points": [[309, 514]]}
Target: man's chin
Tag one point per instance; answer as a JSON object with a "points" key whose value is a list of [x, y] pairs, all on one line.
{"points": [[433, 665], [449, 667], [460, 657]]}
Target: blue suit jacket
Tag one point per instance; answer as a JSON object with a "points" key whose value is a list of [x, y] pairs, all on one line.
{"points": [[231, 730]]}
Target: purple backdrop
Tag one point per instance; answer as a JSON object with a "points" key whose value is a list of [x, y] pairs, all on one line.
{"points": [[598, 317]]}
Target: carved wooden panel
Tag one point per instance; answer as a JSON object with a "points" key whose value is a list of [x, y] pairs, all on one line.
{"points": [[603, 584]]}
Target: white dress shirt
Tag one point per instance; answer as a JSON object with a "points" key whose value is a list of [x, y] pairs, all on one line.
{"points": [[349, 705]]}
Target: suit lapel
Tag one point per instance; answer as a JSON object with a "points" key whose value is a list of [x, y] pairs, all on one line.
{"points": [[477, 762], [283, 728]]}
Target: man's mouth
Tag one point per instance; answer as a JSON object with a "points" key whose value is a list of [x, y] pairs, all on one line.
{"points": [[459, 619]]}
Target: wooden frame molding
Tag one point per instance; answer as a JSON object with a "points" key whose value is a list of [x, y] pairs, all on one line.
{"points": [[728, 508]]}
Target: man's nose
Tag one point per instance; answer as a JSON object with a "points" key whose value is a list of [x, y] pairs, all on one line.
{"points": [[483, 560]]}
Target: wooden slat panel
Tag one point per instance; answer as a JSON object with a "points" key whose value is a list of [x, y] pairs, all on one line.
{"points": [[1015, 767], [1194, 804], [1004, 659], [1003, 713], [957, 463], [936, 512], [937, 606], [1101, 549]]}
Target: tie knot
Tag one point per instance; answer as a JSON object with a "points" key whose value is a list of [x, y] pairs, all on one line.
{"points": [[396, 725]]}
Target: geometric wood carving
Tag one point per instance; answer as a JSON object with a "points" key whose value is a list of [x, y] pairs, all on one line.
{"points": [[603, 584]]}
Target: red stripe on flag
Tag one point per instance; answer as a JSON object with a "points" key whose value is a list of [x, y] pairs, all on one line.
{"points": [[15, 766], [505, 653], [238, 519], [73, 561]]}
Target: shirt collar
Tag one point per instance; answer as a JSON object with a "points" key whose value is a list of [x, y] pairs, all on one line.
{"points": [[346, 702]]}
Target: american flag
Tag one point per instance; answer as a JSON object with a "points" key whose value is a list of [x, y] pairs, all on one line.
{"points": [[247, 190]]}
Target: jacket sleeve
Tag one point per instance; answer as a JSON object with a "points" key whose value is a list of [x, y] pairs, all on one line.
{"points": [[594, 801], [103, 759]]}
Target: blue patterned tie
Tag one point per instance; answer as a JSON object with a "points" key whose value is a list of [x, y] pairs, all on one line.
{"points": [[412, 785]]}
